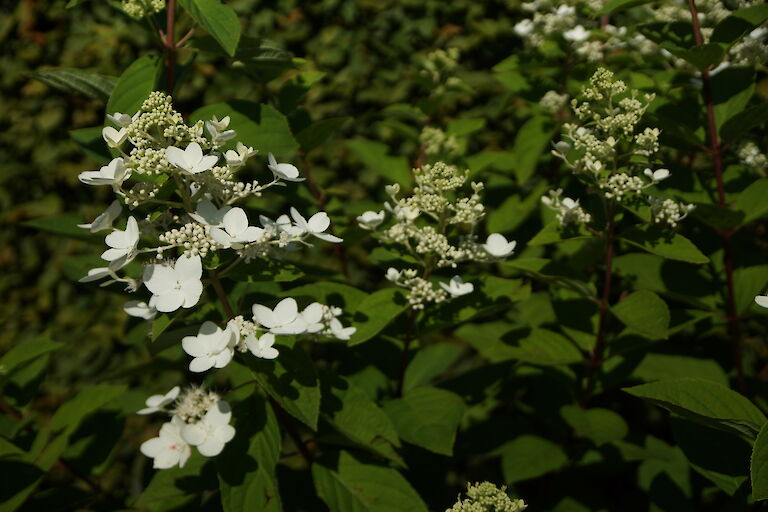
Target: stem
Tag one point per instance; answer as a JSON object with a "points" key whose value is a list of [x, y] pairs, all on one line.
{"points": [[170, 45], [715, 149], [220, 294]]}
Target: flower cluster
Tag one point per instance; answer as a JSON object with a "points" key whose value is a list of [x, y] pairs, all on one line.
{"points": [[486, 497], [552, 102], [436, 142], [138, 9], [436, 225], [751, 156], [185, 221], [605, 151]]}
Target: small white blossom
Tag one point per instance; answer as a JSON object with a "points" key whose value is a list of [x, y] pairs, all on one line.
{"points": [[370, 220], [218, 130], [287, 172], [208, 215], [114, 173], [762, 301], [114, 138], [339, 331], [238, 156], [576, 34], [141, 309], [122, 120], [284, 319], [176, 285], [122, 245], [235, 231], [657, 175], [497, 246], [105, 219], [190, 160], [457, 287], [168, 449], [212, 432], [157, 403], [392, 274], [262, 347], [315, 226], [213, 347]]}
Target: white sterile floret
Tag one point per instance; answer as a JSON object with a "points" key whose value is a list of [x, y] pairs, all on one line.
{"points": [[175, 285], [284, 319], [287, 172], [576, 34], [122, 245], [218, 129], [313, 317], [105, 219], [96, 274], [212, 432], [762, 301], [213, 347], [235, 231], [157, 403], [370, 219], [497, 246], [315, 226], [141, 309], [262, 347], [392, 274], [122, 120], [114, 173], [114, 138], [238, 156], [457, 287], [168, 449], [190, 160], [657, 175], [339, 331], [208, 215]]}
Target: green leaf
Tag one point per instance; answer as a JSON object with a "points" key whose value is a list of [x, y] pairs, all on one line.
{"points": [[246, 467], [175, 488], [160, 324], [747, 283], [739, 23], [515, 210], [669, 366], [92, 85], [260, 270], [333, 294], [531, 141], [346, 484], [530, 457], [375, 312], [135, 85], [741, 122], [374, 156], [751, 201], [600, 425], [349, 409], [61, 225], [546, 348], [427, 417], [257, 125], [759, 465], [663, 243], [291, 381], [705, 55], [732, 88], [464, 126], [218, 19], [554, 232], [92, 143], [645, 313], [704, 402], [430, 362], [319, 132], [614, 6], [24, 352]]}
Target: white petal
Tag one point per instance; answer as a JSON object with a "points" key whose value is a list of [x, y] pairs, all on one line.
{"points": [[193, 154], [235, 221], [176, 156], [262, 315], [201, 364], [219, 414], [286, 311], [762, 300], [194, 346], [319, 222], [189, 267], [169, 301], [191, 290], [328, 237], [159, 278], [194, 434], [210, 448]]}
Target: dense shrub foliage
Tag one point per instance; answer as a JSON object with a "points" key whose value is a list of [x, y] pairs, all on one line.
{"points": [[384, 255]]}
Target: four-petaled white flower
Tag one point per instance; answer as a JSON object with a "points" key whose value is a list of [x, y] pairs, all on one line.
{"points": [[104, 220], [313, 316], [122, 120], [456, 287], [576, 34], [190, 160], [213, 347], [262, 347], [114, 173], [208, 215], [235, 231], [176, 285], [393, 274], [157, 403], [497, 246], [287, 172], [238, 156], [218, 129], [762, 301], [211, 433], [657, 175], [284, 319], [122, 245], [141, 309], [114, 138], [370, 219], [339, 331], [169, 448], [315, 226]]}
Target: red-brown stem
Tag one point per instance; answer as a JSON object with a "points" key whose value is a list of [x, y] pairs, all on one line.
{"points": [[216, 282], [170, 45], [715, 149], [185, 37]]}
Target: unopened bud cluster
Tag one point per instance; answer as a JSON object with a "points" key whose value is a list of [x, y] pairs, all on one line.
{"points": [[138, 9], [486, 497]]}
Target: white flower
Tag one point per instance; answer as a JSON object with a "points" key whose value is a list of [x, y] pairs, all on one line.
{"points": [[177, 285], [122, 245], [239, 157], [497, 246], [315, 226], [190, 160], [370, 219], [313, 317], [287, 172], [169, 449], [262, 347], [339, 331], [105, 220], [235, 232], [208, 215], [405, 213], [114, 173], [283, 223], [762, 301], [211, 433], [114, 138], [157, 403], [393, 274], [213, 347], [524, 27], [284, 319], [218, 129], [141, 309], [576, 34], [456, 287], [96, 274], [657, 175], [122, 120]]}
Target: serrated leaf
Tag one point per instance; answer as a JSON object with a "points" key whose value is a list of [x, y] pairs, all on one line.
{"points": [[135, 85], [751, 201], [670, 366], [531, 140], [666, 244], [743, 121], [546, 348], [430, 362], [319, 132], [732, 88], [375, 312], [22, 353], [645, 313], [218, 19], [92, 85], [600, 425], [759, 465], [530, 457], [739, 23]]}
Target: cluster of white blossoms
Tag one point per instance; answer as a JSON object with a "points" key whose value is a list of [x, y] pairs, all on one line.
{"points": [[604, 150], [486, 497], [436, 142], [439, 68], [138, 9], [552, 102], [436, 225], [751, 156], [185, 189]]}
